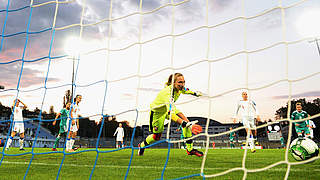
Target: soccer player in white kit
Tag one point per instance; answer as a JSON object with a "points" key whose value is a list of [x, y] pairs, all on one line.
{"points": [[311, 126], [75, 114], [120, 135], [18, 125], [249, 111]]}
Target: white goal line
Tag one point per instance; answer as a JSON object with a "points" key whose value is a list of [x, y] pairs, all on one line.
{"points": [[141, 167]]}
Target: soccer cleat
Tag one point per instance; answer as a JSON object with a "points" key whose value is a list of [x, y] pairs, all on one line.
{"points": [[70, 150], [7, 149], [195, 152], [253, 150], [21, 149], [140, 151], [54, 149], [75, 148]]}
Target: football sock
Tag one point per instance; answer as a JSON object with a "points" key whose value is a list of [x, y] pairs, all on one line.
{"points": [[21, 142], [186, 132], [189, 146], [56, 142], [9, 142], [149, 140], [71, 142], [251, 142], [68, 147]]}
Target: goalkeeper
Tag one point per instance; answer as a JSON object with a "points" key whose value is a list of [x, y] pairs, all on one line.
{"points": [[64, 113], [161, 109]]}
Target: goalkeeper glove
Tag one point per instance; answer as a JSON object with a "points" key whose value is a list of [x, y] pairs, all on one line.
{"points": [[197, 93], [191, 123], [195, 128]]}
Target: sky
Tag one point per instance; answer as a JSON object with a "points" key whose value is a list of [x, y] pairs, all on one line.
{"points": [[121, 65]]}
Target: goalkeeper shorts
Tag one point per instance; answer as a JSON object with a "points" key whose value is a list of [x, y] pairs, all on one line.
{"points": [[157, 121]]}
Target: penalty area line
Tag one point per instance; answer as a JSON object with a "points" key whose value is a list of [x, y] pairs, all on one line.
{"points": [[143, 167]]}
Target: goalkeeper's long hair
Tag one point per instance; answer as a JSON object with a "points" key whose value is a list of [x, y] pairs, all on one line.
{"points": [[176, 75]]}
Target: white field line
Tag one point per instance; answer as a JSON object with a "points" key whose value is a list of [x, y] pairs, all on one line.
{"points": [[143, 167]]}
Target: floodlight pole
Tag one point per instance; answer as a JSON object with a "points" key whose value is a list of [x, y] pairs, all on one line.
{"points": [[318, 46], [317, 43], [73, 59]]}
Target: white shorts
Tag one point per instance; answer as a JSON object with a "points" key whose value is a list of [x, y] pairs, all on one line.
{"points": [[18, 127], [248, 122], [73, 128], [119, 138]]}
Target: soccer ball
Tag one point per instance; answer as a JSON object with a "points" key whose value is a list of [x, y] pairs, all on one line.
{"points": [[303, 148]]}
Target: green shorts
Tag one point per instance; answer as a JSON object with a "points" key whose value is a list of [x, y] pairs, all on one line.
{"points": [[157, 121], [305, 130], [63, 129], [231, 140]]}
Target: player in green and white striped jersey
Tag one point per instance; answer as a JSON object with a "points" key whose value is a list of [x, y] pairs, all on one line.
{"points": [[64, 113], [231, 138], [301, 127]]}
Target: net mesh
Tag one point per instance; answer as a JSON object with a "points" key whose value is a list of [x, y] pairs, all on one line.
{"points": [[138, 46]]}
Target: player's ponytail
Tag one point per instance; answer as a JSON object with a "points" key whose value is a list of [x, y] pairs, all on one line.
{"points": [[176, 75]]}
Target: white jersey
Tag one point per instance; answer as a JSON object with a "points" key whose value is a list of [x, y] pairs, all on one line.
{"points": [[120, 134], [73, 128], [311, 123], [75, 117], [17, 115], [18, 125], [75, 111], [247, 109]]}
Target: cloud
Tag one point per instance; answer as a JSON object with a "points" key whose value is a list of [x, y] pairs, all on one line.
{"points": [[300, 95], [7, 95], [10, 75], [149, 89], [269, 21], [146, 5], [37, 45], [128, 96], [190, 12], [220, 5], [70, 13]]}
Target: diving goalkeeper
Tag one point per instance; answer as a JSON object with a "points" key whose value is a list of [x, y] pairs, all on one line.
{"points": [[161, 109]]}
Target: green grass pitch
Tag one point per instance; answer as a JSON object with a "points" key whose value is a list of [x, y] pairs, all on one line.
{"points": [[113, 165]]}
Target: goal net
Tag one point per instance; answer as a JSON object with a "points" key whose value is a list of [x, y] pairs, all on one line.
{"points": [[118, 56]]}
